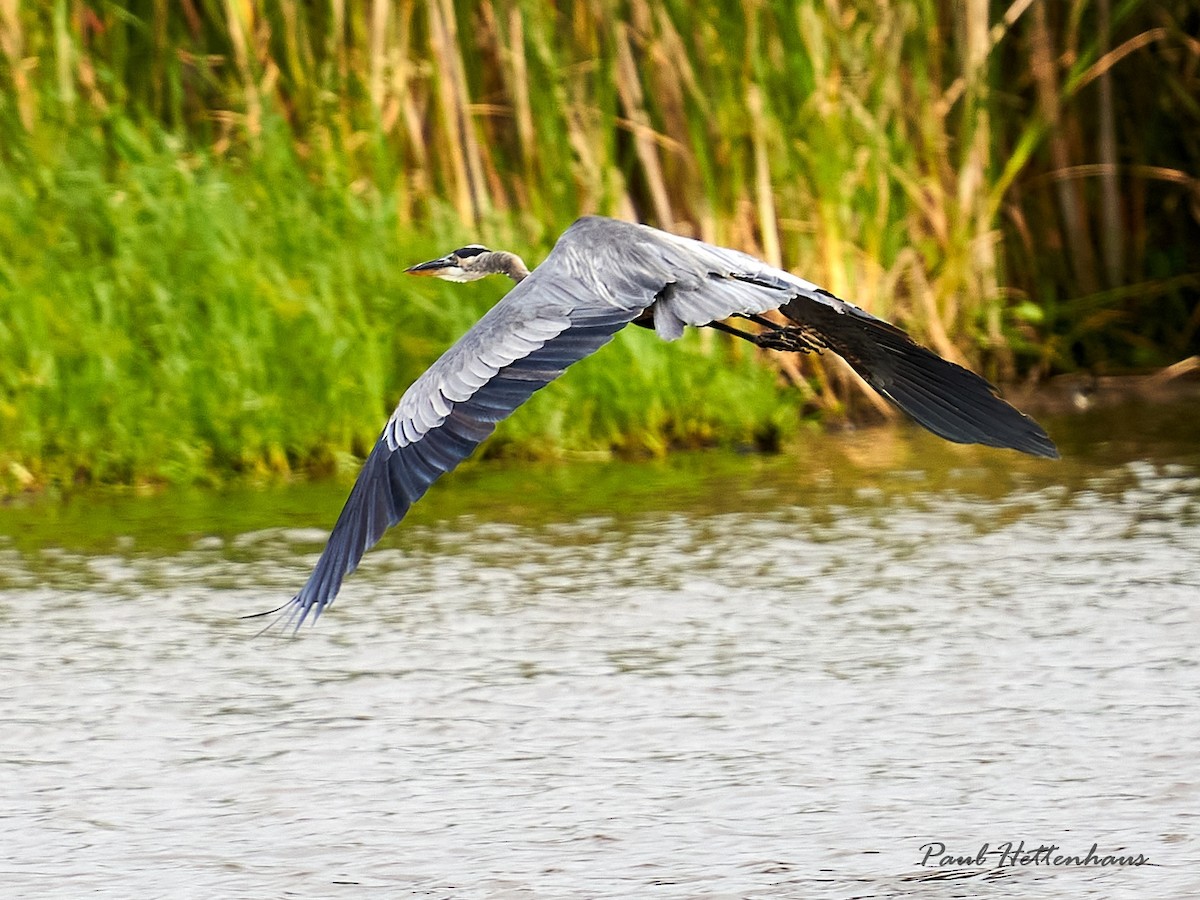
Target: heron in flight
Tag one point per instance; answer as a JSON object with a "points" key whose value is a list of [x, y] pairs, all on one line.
{"points": [[602, 275]]}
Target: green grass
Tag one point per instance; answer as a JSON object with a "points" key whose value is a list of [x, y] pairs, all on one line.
{"points": [[183, 320], [205, 207]]}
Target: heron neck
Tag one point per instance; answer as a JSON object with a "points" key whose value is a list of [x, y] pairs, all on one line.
{"points": [[505, 263]]}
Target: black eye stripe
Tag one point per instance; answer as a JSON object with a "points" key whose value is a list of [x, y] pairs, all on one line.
{"points": [[468, 252]]}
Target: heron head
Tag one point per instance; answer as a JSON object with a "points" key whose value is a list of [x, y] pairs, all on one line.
{"points": [[470, 263], [465, 264]]}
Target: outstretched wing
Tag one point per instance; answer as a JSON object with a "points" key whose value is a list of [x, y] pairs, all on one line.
{"points": [[945, 398], [601, 275], [556, 316], [952, 402]]}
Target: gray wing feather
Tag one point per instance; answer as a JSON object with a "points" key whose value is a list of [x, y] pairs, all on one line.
{"points": [[547, 322], [712, 283], [601, 275]]}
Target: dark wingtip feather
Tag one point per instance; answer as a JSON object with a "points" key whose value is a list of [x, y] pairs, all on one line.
{"points": [[966, 411], [379, 500], [957, 404], [952, 402]]}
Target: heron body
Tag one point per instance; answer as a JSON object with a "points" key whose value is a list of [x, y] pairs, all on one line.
{"points": [[602, 275]]}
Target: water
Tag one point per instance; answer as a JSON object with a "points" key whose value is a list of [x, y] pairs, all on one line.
{"points": [[716, 677]]}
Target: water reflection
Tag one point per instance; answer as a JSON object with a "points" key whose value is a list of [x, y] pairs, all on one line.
{"points": [[717, 677]]}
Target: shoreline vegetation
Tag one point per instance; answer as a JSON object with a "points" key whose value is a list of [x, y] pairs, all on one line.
{"points": [[206, 208]]}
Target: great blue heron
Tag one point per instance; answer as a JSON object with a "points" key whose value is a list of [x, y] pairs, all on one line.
{"points": [[602, 275]]}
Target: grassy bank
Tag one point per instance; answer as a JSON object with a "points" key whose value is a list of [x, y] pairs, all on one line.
{"points": [[181, 320], [205, 206]]}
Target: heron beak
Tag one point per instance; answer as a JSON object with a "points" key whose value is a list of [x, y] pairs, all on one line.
{"points": [[433, 267]]}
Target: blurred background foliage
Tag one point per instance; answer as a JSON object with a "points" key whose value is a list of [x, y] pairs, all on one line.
{"points": [[206, 205]]}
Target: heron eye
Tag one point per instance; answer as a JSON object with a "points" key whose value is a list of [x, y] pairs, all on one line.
{"points": [[468, 252]]}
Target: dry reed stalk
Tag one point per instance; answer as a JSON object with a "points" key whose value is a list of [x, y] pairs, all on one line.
{"points": [[936, 333], [462, 109], [64, 52], [764, 193], [158, 59], [239, 16], [519, 92], [404, 77], [12, 41], [589, 176], [293, 46], [670, 75], [378, 53], [996, 34], [1041, 58], [1111, 231], [337, 40], [1112, 57], [973, 173], [495, 117], [90, 83], [445, 52], [629, 90]]}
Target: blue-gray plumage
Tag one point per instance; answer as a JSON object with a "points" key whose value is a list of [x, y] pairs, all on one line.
{"points": [[601, 275]]}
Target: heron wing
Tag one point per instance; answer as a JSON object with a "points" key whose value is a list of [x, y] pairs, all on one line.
{"points": [[556, 316], [713, 283], [952, 402], [601, 275]]}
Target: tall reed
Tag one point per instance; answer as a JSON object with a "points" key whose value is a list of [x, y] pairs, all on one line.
{"points": [[204, 205]]}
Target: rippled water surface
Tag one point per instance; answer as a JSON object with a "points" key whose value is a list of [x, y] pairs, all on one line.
{"points": [[718, 676]]}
